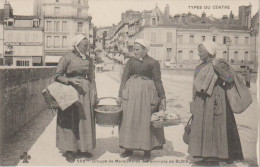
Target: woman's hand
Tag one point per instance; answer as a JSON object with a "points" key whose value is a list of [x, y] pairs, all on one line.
{"points": [[119, 101], [163, 104], [74, 82]]}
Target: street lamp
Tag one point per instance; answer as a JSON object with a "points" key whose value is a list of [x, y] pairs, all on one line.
{"points": [[228, 44]]}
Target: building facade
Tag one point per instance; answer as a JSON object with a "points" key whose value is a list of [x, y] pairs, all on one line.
{"points": [[23, 39], [1, 37], [63, 19], [175, 39]]}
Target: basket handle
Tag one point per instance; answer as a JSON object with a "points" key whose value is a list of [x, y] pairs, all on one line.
{"points": [[191, 118], [107, 98]]}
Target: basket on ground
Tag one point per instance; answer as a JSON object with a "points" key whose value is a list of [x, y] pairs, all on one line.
{"points": [[108, 115]]}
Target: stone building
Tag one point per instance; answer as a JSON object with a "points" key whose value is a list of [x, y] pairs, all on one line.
{"points": [[63, 19], [174, 39], [23, 39]]}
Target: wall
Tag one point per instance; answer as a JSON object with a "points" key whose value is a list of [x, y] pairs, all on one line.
{"points": [[21, 97]]}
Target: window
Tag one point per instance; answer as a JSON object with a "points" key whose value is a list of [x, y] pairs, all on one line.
{"points": [[56, 26], [56, 11], [57, 0], [191, 55], [180, 38], [225, 55], [64, 41], [49, 24], [214, 38], [49, 39], [224, 39], [35, 23], [79, 12], [10, 23], [64, 26], [236, 40], [22, 63], [179, 55], [169, 37], [191, 39], [79, 1], [168, 54], [56, 41], [153, 37], [246, 56], [236, 56], [153, 21], [246, 40], [80, 25], [203, 38]]}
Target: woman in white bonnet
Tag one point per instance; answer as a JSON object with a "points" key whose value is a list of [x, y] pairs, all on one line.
{"points": [[76, 134], [141, 92], [214, 135]]}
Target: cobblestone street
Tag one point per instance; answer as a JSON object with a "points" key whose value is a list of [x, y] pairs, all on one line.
{"points": [[38, 136]]}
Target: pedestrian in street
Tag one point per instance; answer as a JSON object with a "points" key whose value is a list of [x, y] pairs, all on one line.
{"points": [[214, 134], [140, 94], [76, 134], [248, 76]]}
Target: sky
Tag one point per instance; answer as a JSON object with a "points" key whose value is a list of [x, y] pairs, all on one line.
{"points": [[108, 12]]}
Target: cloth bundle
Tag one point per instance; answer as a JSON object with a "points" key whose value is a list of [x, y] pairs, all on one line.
{"points": [[165, 118], [205, 80], [65, 95]]}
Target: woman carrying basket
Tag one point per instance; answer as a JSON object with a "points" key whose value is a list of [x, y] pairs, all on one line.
{"points": [[76, 133], [140, 94], [214, 135]]}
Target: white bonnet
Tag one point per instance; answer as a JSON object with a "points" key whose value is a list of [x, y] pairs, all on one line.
{"points": [[144, 43], [210, 46], [77, 39]]}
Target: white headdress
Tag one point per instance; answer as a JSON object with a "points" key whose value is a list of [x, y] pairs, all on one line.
{"points": [[144, 43], [210, 46]]}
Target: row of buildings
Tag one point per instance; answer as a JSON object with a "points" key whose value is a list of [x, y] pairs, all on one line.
{"points": [[174, 39], [41, 39]]}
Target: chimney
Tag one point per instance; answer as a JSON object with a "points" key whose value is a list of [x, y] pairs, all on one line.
{"points": [[167, 10], [225, 19], [183, 18], [231, 18], [8, 10], [203, 15]]}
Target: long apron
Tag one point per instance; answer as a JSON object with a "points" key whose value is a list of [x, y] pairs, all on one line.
{"points": [[76, 125], [139, 100]]}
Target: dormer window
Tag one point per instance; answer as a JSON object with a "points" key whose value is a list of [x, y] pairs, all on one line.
{"points": [[35, 23], [154, 21], [10, 22]]}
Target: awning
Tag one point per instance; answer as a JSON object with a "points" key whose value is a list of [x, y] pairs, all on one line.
{"points": [[37, 60], [52, 59]]}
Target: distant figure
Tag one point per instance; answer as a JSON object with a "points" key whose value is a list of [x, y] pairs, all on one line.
{"points": [[248, 76]]}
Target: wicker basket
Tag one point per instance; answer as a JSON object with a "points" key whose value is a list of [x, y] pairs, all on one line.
{"points": [[187, 130], [108, 117], [50, 101]]}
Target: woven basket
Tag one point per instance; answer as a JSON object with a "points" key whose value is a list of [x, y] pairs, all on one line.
{"points": [[173, 121], [187, 130], [108, 117], [50, 101]]}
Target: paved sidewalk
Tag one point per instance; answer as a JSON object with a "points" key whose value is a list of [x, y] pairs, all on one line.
{"points": [[44, 151]]}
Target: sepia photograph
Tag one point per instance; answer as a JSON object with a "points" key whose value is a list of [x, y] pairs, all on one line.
{"points": [[129, 83]]}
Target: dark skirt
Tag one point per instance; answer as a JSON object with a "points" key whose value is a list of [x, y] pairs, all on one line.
{"points": [[76, 125]]}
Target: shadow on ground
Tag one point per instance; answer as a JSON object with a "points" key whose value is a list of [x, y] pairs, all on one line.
{"points": [[23, 140]]}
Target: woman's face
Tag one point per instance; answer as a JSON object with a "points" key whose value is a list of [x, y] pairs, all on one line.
{"points": [[83, 46], [139, 51], [203, 53]]}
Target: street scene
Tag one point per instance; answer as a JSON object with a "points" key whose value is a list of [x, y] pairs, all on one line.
{"points": [[122, 67]]}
